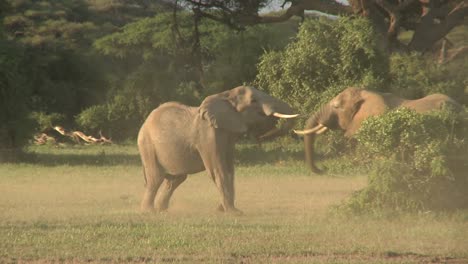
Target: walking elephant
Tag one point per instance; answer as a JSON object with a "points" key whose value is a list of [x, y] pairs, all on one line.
{"points": [[352, 106], [176, 140]]}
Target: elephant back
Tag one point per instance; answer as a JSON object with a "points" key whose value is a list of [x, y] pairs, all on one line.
{"points": [[434, 102]]}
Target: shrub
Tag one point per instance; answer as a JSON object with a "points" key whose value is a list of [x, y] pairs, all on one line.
{"points": [[93, 118], [15, 89], [414, 76], [119, 119], [419, 162], [46, 121], [326, 56]]}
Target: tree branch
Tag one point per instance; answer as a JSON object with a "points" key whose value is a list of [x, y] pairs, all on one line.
{"points": [[241, 16], [436, 24]]}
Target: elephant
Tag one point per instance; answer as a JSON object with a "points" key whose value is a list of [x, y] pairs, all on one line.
{"points": [[353, 105], [176, 140]]}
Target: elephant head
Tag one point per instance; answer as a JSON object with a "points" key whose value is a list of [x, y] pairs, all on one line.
{"points": [[246, 109], [345, 112]]}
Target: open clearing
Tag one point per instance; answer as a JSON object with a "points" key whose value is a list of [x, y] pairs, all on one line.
{"points": [[73, 212]]}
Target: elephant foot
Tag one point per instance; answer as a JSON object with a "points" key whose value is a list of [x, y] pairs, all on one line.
{"points": [[220, 208], [231, 210], [147, 209], [316, 170], [161, 209], [234, 211]]}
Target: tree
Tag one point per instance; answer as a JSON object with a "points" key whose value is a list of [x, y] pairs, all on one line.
{"points": [[325, 57], [430, 20], [15, 90], [157, 62], [57, 35]]}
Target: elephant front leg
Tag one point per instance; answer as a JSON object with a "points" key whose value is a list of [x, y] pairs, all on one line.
{"points": [[219, 162], [225, 184]]}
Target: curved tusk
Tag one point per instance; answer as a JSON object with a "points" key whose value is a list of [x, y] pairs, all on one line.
{"points": [[284, 116], [309, 131], [322, 130]]}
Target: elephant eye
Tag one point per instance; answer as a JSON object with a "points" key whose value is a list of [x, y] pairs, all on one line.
{"points": [[253, 101]]}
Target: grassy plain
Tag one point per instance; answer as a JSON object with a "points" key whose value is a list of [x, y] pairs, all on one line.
{"points": [[80, 204]]}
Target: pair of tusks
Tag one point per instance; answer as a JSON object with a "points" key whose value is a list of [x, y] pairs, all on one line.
{"points": [[319, 129]]}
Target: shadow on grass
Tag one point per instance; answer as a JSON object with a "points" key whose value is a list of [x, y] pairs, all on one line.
{"points": [[73, 156], [246, 154], [101, 159]]}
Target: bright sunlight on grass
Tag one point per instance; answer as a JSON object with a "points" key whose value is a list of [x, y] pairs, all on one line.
{"points": [[73, 210]]}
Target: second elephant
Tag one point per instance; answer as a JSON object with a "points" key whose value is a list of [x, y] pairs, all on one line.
{"points": [[352, 106]]}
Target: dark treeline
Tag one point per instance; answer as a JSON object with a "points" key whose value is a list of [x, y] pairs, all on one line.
{"points": [[103, 65]]}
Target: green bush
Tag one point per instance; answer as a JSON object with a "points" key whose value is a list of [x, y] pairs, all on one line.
{"points": [[46, 121], [93, 118], [119, 119], [419, 162], [326, 57], [414, 76], [15, 89]]}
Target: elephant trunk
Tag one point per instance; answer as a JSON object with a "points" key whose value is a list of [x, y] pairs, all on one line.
{"points": [[309, 139], [286, 126], [275, 111]]}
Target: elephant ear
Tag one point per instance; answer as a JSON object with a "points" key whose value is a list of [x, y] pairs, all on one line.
{"points": [[355, 99], [220, 112]]}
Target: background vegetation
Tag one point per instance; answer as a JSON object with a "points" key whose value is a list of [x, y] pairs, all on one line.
{"points": [[102, 66]]}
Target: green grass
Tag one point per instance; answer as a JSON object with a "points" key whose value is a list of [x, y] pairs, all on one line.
{"points": [[71, 209]]}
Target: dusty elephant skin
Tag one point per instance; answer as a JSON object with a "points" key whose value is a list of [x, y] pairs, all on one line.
{"points": [[352, 106], [176, 140]]}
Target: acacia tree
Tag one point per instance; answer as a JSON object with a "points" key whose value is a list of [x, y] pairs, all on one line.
{"points": [[430, 20]]}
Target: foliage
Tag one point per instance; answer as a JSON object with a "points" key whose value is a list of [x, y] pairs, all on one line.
{"points": [[15, 126], [70, 24], [158, 64], [93, 118], [419, 162], [236, 54], [414, 76], [127, 57], [228, 57], [326, 56], [46, 121], [62, 74]]}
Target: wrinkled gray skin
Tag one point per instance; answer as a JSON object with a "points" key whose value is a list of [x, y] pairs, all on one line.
{"points": [[176, 140], [352, 106]]}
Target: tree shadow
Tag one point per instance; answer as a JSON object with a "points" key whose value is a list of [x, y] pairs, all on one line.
{"points": [[247, 153], [93, 159], [84, 159]]}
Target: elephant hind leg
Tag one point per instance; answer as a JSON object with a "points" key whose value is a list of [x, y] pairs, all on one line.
{"points": [[154, 177], [167, 189]]}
